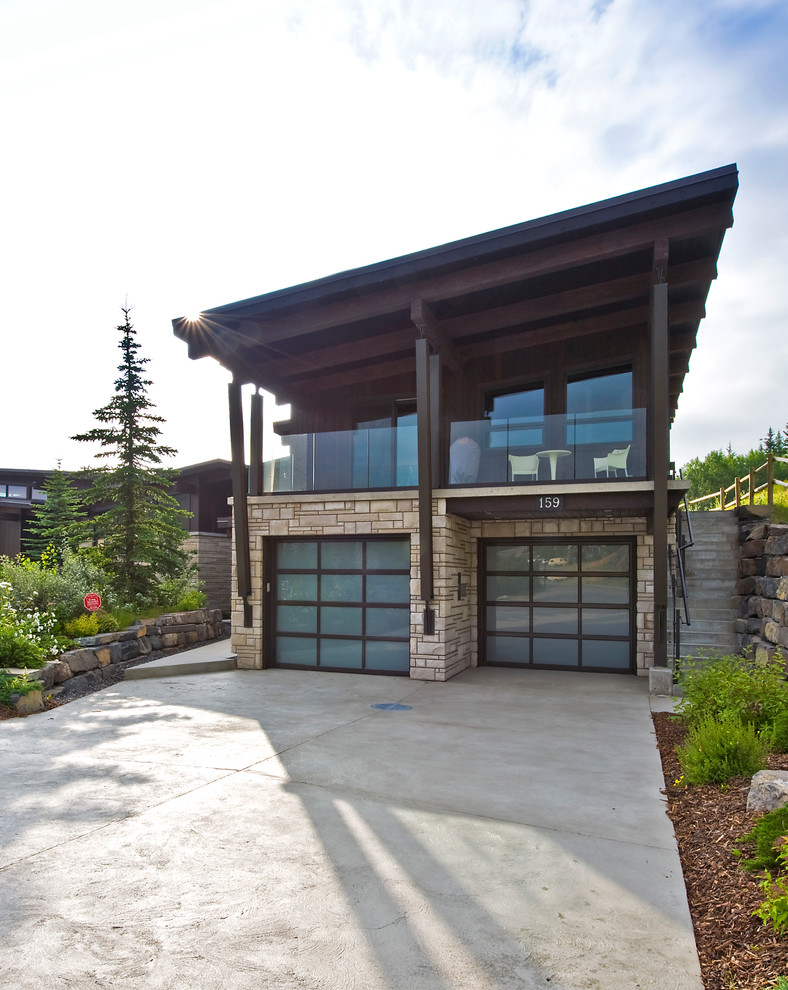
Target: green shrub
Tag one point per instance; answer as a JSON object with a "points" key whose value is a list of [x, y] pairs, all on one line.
{"points": [[763, 835], [721, 746], [191, 601], [16, 650], [756, 693], [106, 622], [34, 585], [83, 625], [774, 907], [11, 684], [778, 736], [170, 592]]}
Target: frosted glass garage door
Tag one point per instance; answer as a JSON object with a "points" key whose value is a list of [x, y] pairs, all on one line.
{"points": [[558, 605], [342, 605]]}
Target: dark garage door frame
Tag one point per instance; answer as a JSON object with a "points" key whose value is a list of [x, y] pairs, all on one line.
{"points": [[338, 603], [542, 606]]}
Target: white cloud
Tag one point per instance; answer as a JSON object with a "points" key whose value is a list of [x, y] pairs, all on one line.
{"points": [[189, 154]]}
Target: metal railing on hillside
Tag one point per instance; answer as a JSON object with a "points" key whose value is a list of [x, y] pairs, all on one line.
{"points": [[678, 575], [744, 489]]}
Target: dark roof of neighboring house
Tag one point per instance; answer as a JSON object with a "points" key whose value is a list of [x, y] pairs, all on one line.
{"points": [[579, 272]]}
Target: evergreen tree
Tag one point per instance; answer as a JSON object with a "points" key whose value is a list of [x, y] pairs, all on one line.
{"points": [[771, 440], [142, 537], [59, 521]]}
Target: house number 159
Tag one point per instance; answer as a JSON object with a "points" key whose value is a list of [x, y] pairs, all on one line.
{"points": [[550, 502]]}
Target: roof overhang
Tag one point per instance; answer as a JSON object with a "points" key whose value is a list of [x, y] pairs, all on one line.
{"points": [[574, 274]]}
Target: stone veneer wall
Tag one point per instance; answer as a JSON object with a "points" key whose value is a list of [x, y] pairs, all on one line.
{"points": [[454, 645], [98, 655], [762, 625], [213, 556]]}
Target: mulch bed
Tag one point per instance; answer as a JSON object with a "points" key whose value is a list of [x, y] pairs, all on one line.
{"points": [[735, 949]]}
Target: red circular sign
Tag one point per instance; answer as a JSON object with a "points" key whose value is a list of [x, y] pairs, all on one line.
{"points": [[92, 602]]}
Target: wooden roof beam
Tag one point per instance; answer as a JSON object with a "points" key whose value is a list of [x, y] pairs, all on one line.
{"points": [[634, 318], [428, 326], [573, 300], [544, 307], [541, 261]]}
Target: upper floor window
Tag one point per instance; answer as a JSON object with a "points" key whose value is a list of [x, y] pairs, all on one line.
{"points": [[599, 393], [516, 417], [599, 408]]}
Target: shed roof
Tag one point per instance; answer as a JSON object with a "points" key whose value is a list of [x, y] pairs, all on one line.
{"points": [[580, 272]]}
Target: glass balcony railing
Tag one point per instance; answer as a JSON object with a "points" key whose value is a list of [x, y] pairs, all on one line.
{"points": [[577, 447], [571, 447], [350, 460]]}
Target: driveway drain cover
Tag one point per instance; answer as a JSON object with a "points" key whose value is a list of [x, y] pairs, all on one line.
{"points": [[392, 706]]}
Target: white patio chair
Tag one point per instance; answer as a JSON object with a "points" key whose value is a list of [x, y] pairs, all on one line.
{"points": [[615, 461], [525, 466]]}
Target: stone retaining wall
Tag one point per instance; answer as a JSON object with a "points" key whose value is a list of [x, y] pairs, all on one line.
{"points": [[762, 625], [98, 655]]}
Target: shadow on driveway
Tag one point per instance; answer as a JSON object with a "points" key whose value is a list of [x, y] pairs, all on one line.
{"points": [[272, 829]]}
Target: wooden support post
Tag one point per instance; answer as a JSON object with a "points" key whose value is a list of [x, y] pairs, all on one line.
{"points": [[770, 480], [438, 469], [256, 446], [243, 564], [425, 469], [722, 499], [660, 453], [752, 486], [738, 492]]}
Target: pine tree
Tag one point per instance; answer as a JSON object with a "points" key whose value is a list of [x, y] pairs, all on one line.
{"points": [[769, 441], [141, 534], [59, 521]]}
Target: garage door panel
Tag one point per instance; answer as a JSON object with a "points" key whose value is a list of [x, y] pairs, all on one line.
{"points": [[341, 620], [507, 619], [555, 589], [501, 587], [605, 653], [508, 649], [296, 618], [557, 604]]}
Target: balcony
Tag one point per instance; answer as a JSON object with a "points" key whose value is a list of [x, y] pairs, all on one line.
{"points": [[345, 461], [481, 452], [576, 447]]}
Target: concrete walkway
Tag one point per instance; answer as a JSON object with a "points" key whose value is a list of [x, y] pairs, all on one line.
{"points": [[273, 829]]}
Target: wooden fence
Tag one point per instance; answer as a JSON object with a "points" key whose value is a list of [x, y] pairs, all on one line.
{"points": [[743, 490]]}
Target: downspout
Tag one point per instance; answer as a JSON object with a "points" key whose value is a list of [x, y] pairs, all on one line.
{"points": [[424, 431], [243, 565], [659, 447]]}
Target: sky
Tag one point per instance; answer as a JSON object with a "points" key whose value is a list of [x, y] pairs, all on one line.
{"points": [[176, 155]]}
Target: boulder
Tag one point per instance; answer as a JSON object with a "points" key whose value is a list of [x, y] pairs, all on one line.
{"points": [[33, 701], [777, 543], [79, 660], [768, 790], [90, 680]]}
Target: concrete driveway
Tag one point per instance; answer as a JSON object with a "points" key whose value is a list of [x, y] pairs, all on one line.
{"points": [[272, 829]]}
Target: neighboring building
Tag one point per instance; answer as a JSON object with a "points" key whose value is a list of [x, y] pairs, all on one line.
{"points": [[477, 469], [202, 489], [20, 492]]}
